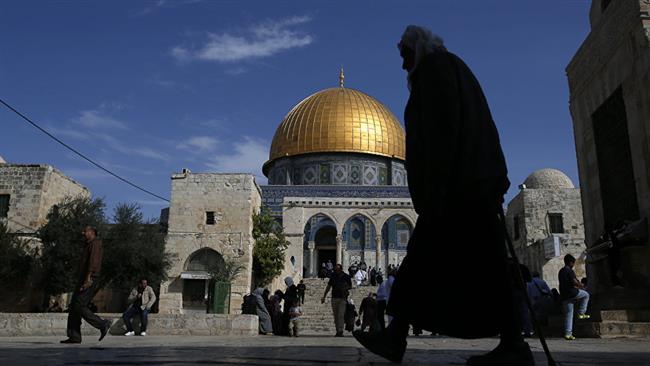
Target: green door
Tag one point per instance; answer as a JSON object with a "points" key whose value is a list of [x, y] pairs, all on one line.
{"points": [[220, 298]]}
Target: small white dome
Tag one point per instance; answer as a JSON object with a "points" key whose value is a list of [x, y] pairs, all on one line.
{"points": [[548, 179]]}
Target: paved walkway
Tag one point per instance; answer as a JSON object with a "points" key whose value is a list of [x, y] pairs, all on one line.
{"points": [[307, 350]]}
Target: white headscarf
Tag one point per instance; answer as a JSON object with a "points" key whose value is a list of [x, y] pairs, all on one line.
{"points": [[423, 42], [288, 281]]}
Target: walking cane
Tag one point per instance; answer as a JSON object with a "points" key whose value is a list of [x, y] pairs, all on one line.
{"points": [[536, 325]]}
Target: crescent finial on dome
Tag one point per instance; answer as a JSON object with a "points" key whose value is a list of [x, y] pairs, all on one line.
{"points": [[341, 78]]}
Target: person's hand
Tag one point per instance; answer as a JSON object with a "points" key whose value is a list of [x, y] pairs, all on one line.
{"points": [[86, 285], [139, 295]]}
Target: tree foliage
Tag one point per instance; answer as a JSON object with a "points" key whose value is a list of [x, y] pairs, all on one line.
{"points": [[269, 248], [16, 259], [63, 241], [226, 271], [133, 249]]}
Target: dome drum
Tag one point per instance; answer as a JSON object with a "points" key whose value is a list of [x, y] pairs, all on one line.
{"points": [[337, 169]]}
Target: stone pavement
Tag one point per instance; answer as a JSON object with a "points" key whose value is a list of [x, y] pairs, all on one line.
{"points": [[307, 350]]}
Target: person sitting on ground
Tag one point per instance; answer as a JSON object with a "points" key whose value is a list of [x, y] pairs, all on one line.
{"points": [[265, 324], [295, 312], [571, 291]]}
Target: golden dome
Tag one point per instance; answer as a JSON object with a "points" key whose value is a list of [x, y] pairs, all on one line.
{"points": [[338, 120]]}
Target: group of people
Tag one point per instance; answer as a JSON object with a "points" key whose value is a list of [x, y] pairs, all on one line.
{"points": [[280, 313], [140, 300], [457, 179], [546, 301], [372, 308]]}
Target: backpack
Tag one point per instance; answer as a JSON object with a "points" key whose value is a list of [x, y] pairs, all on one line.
{"points": [[249, 306]]}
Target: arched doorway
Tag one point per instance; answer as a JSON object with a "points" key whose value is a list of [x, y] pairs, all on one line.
{"points": [[395, 236], [325, 242], [198, 270], [320, 243], [359, 237]]}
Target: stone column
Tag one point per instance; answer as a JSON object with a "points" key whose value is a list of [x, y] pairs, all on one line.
{"points": [[339, 249], [378, 251], [311, 245]]}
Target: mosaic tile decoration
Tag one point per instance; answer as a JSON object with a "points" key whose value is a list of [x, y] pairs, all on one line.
{"points": [[355, 174], [339, 173], [297, 176], [325, 177], [383, 176], [310, 176], [370, 175]]}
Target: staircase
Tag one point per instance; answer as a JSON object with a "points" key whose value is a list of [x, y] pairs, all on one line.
{"points": [[605, 323], [317, 317]]}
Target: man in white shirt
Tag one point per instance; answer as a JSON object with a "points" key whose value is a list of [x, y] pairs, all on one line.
{"points": [[360, 276]]}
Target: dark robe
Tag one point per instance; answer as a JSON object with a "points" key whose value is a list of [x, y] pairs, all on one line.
{"points": [[457, 178], [290, 295]]}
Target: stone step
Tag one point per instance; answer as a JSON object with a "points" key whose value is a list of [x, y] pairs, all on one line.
{"points": [[625, 315], [317, 316]]}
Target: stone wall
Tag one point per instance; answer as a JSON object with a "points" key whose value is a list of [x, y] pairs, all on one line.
{"points": [[54, 324], [233, 198], [615, 54], [33, 190], [532, 207]]}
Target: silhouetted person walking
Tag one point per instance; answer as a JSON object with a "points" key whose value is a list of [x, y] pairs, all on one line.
{"points": [[457, 177], [87, 287]]}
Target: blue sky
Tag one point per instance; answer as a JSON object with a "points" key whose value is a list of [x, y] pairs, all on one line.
{"points": [[150, 87]]}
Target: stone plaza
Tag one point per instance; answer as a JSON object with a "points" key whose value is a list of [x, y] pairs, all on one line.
{"points": [[307, 350]]}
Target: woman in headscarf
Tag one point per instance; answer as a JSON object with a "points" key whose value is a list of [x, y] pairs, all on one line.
{"points": [[265, 319], [290, 294], [457, 178]]}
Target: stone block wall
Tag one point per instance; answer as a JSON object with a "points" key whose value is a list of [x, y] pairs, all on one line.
{"points": [[615, 54], [33, 190], [233, 198], [532, 206], [54, 324]]}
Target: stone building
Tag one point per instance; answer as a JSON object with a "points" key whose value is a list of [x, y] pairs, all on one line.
{"points": [[545, 222], [28, 192], [609, 82], [337, 183], [209, 221]]}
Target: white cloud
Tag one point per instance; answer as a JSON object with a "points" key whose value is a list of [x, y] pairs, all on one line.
{"points": [[202, 143], [119, 146], [81, 174], [163, 83], [247, 157], [262, 40], [160, 4], [95, 119], [236, 71]]}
